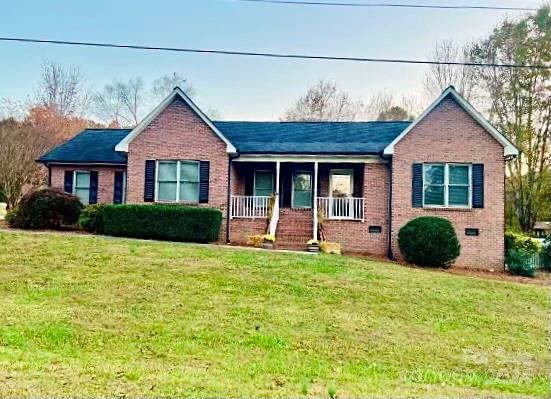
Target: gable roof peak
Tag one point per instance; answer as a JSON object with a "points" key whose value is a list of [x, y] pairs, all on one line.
{"points": [[509, 149], [122, 146]]}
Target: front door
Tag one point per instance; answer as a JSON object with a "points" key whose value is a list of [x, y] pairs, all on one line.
{"points": [[301, 196]]}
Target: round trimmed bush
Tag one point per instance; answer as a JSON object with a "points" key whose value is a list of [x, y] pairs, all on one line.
{"points": [[429, 241], [46, 209]]}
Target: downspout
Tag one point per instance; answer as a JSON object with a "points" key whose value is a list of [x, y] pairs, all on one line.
{"points": [[49, 175], [389, 213]]}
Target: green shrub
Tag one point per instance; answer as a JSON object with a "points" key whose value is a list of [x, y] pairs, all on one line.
{"points": [[91, 218], [164, 222], [519, 241], [429, 241], [46, 209], [10, 216], [519, 262]]}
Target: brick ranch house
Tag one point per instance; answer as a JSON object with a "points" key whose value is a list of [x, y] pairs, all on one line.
{"points": [[366, 179]]}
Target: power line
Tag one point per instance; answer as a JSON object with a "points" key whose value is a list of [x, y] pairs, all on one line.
{"points": [[394, 5], [270, 55]]}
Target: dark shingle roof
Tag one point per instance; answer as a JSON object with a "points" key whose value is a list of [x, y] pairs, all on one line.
{"points": [[89, 146], [311, 137], [344, 138]]}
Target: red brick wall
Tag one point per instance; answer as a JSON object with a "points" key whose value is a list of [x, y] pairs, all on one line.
{"points": [[178, 133], [449, 134], [354, 236], [240, 229], [106, 179]]}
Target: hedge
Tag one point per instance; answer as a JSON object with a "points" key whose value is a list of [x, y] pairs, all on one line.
{"points": [[163, 222]]}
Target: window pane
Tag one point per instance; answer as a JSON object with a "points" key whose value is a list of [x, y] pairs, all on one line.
{"points": [[459, 174], [189, 171], [83, 194], [341, 184], [82, 179], [302, 181], [261, 192], [458, 195], [263, 182], [434, 195], [434, 174], [167, 171], [302, 199], [167, 192], [189, 192]]}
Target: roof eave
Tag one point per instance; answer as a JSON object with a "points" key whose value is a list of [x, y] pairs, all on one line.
{"points": [[80, 162]]}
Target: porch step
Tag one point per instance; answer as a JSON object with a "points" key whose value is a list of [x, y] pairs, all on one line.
{"points": [[294, 228]]}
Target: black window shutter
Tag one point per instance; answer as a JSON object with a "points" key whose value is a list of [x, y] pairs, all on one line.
{"points": [[93, 198], [204, 173], [68, 182], [417, 185], [149, 186], [478, 185], [117, 192]]}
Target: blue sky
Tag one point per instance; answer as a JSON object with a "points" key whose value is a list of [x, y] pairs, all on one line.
{"points": [[240, 88]]}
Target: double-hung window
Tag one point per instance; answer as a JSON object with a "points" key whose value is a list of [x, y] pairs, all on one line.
{"points": [[178, 181], [81, 186], [447, 185], [263, 183]]}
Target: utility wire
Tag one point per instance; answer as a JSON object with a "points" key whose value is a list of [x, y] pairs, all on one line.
{"points": [[269, 55], [394, 5]]}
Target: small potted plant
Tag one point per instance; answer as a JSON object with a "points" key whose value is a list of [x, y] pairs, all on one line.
{"points": [[268, 241], [313, 245]]}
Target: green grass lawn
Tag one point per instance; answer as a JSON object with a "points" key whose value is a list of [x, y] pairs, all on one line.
{"points": [[92, 316]]}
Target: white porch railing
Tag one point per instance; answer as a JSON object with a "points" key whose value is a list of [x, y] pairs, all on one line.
{"points": [[342, 208], [249, 206]]}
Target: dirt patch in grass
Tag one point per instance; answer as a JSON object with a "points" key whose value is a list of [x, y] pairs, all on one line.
{"points": [[542, 278]]}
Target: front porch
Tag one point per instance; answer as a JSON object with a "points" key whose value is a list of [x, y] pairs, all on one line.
{"points": [[288, 199]]}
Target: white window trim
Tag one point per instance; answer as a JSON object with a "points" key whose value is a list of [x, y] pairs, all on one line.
{"points": [[296, 172], [254, 179], [447, 186], [74, 190], [349, 172], [178, 162]]}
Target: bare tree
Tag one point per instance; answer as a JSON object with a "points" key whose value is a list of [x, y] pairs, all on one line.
{"points": [[107, 105], [439, 77], [325, 102], [61, 89], [163, 86], [20, 146], [121, 103], [132, 98]]}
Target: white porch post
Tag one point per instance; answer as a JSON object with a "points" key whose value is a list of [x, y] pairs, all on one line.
{"points": [[315, 233], [275, 210], [278, 164]]}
